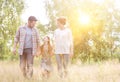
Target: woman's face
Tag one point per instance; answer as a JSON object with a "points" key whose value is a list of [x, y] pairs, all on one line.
{"points": [[59, 24]]}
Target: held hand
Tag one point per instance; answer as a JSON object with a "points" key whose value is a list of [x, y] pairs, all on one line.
{"points": [[38, 53], [71, 55], [35, 55]]}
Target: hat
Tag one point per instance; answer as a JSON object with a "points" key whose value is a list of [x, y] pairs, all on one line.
{"points": [[32, 18]]}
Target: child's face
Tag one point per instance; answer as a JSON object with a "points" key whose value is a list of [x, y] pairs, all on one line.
{"points": [[46, 39]]}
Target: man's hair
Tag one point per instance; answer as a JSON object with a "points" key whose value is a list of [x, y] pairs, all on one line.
{"points": [[62, 20], [32, 18]]}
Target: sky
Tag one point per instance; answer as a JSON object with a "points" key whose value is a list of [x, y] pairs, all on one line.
{"points": [[37, 9], [34, 8]]}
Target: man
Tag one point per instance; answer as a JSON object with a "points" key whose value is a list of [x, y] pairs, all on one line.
{"points": [[63, 43], [28, 38]]}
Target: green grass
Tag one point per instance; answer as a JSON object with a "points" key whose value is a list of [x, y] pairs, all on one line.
{"points": [[104, 72]]}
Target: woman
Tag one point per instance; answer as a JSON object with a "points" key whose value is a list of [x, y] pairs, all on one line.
{"points": [[63, 44], [46, 51]]}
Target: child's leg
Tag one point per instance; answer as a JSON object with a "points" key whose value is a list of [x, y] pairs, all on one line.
{"points": [[45, 74], [48, 74]]}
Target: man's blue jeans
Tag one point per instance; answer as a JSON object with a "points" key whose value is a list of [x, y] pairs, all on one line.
{"points": [[26, 62]]}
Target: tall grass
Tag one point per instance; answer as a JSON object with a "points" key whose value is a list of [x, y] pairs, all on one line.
{"points": [[104, 72]]}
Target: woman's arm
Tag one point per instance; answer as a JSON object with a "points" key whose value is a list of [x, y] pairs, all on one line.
{"points": [[71, 43]]}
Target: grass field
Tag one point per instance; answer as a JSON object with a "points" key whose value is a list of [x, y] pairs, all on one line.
{"points": [[102, 72]]}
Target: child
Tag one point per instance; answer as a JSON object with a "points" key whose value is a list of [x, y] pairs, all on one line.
{"points": [[46, 52]]}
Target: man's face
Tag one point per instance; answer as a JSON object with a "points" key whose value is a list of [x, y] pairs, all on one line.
{"points": [[31, 23]]}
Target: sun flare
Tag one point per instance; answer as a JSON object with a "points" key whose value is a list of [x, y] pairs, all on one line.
{"points": [[84, 19]]}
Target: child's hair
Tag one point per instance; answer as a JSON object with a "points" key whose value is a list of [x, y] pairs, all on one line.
{"points": [[62, 20], [49, 47]]}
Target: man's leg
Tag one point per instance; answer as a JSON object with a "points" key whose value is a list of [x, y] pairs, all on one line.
{"points": [[23, 63], [30, 58]]}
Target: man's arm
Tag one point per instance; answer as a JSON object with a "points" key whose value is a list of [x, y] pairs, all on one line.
{"points": [[38, 43], [16, 40], [38, 38]]}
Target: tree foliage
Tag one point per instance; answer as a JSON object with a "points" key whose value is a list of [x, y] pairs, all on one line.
{"points": [[99, 39], [10, 11]]}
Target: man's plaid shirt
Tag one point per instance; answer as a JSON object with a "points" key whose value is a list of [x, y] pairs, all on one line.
{"points": [[20, 38]]}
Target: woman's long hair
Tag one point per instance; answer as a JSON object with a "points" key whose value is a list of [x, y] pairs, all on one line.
{"points": [[49, 47]]}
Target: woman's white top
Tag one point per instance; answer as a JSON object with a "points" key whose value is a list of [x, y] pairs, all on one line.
{"points": [[63, 41]]}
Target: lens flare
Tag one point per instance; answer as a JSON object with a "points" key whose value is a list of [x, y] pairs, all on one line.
{"points": [[84, 19]]}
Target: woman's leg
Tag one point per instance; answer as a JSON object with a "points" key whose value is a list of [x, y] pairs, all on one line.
{"points": [[59, 63], [65, 63]]}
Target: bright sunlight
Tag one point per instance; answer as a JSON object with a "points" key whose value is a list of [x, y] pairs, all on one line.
{"points": [[84, 19]]}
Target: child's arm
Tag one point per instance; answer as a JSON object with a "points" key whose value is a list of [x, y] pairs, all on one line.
{"points": [[52, 51]]}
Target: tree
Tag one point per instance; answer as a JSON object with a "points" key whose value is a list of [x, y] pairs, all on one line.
{"points": [[9, 21]]}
